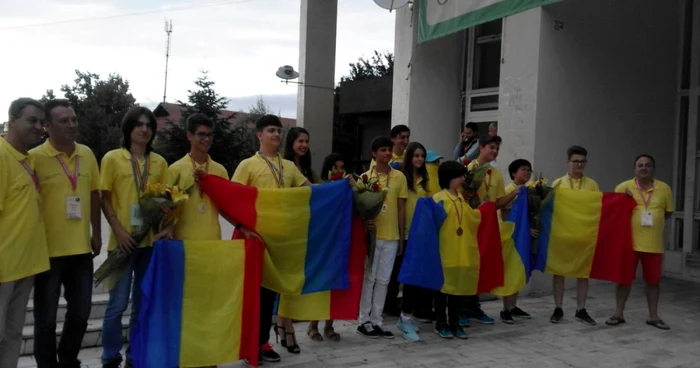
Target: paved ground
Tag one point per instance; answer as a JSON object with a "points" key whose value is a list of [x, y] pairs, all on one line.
{"points": [[532, 343]]}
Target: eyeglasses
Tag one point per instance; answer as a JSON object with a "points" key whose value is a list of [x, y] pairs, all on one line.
{"points": [[203, 135], [647, 166], [579, 162]]}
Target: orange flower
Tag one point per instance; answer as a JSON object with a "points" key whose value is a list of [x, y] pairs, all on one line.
{"points": [[365, 177], [466, 162], [375, 187], [488, 172]]}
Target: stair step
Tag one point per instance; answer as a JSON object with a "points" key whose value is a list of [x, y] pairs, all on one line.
{"points": [[97, 312], [93, 335]]}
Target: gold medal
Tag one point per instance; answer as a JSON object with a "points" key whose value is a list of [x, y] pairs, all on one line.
{"points": [[460, 231], [202, 208]]}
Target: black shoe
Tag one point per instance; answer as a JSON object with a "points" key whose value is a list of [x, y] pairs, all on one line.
{"points": [[557, 315], [425, 317], [506, 317], [367, 330], [519, 313], [381, 332], [112, 365], [269, 355], [582, 316]]}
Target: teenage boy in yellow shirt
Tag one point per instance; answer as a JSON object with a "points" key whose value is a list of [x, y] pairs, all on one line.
{"points": [[576, 180], [23, 250]]}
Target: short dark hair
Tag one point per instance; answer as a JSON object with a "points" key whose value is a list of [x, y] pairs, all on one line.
{"points": [[266, 121], [329, 163], [653, 162], [449, 170], [197, 119], [52, 104], [381, 142], [398, 129], [131, 121], [576, 150], [17, 106], [488, 140], [516, 165], [472, 126]]}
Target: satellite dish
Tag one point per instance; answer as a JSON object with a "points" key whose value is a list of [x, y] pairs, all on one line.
{"points": [[287, 72], [391, 4]]}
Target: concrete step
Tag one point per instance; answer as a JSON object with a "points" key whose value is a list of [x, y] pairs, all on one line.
{"points": [[99, 306], [93, 335]]}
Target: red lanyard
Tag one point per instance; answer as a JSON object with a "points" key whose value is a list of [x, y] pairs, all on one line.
{"points": [[277, 172], [32, 173], [76, 171], [646, 200], [140, 178]]}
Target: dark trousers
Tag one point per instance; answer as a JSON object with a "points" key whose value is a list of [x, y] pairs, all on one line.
{"points": [[416, 300], [470, 306], [75, 274], [267, 306], [447, 310], [392, 292]]}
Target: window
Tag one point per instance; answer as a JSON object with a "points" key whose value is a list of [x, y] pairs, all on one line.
{"points": [[486, 69]]}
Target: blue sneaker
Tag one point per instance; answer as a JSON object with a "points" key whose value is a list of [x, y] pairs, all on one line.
{"points": [[483, 318], [464, 321], [444, 332], [408, 329], [459, 333]]}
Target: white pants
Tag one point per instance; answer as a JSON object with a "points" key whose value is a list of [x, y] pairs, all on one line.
{"points": [[14, 296], [376, 282]]}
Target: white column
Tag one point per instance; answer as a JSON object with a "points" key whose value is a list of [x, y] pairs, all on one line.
{"points": [[317, 38]]}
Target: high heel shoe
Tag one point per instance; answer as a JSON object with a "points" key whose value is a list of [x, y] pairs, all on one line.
{"points": [[294, 349], [283, 333]]}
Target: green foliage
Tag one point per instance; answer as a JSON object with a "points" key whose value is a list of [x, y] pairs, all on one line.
{"points": [[233, 141], [377, 66]]}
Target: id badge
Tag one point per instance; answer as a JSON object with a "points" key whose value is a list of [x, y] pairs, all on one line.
{"points": [[136, 217], [647, 219], [74, 208]]}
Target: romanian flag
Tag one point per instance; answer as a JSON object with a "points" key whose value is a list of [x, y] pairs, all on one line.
{"points": [[516, 242], [201, 304], [437, 259], [306, 231], [335, 304], [587, 234]]}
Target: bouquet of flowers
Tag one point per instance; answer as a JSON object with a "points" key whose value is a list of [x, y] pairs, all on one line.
{"points": [[161, 207], [538, 191], [369, 201], [336, 174], [474, 179]]}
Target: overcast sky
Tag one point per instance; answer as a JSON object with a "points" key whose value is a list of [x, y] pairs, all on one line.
{"points": [[241, 43]]}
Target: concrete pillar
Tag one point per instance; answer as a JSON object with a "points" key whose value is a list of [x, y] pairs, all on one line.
{"points": [[317, 39]]}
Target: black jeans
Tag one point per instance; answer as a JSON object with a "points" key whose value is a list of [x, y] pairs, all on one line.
{"points": [[392, 291], [470, 306], [447, 310], [267, 306], [416, 300], [75, 274]]}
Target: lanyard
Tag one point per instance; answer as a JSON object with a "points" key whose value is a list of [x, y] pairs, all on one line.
{"points": [[647, 199], [32, 173], [140, 178], [76, 171], [459, 211], [580, 185], [194, 168], [388, 176], [277, 172]]}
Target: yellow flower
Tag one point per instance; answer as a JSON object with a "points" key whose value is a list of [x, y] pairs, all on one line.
{"points": [[178, 195], [155, 189], [544, 181], [531, 184]]}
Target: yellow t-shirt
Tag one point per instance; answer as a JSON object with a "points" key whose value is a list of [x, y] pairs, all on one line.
{"points": [[117, 177], [411, 201], [66, 237], [493, 187], [585, 183], [23, 250], [649, 239], [433, 180], [459, 253], [387, 222], [255, 172], [196, 224]]}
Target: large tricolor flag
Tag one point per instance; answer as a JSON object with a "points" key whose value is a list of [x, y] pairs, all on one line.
{"points": [[306, 231], [587, 235], [200, 304]]}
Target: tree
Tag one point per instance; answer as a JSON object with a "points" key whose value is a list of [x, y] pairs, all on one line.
{"points": [[233, 141], [100, 106], [378, 66], [256, 111]]}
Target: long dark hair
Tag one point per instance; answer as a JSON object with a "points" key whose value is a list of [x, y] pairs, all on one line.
{"points": [[408, 166], [305, 160], [131, 121], [329, 163]]}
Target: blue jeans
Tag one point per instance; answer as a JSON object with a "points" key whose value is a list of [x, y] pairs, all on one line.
{"points": [[75, 274], [112, 337]]}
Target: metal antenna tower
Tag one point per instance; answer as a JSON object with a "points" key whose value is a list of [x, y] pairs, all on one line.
{"points": [[168, 31]]}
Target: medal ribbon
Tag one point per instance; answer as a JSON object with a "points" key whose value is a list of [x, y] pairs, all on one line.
{"points": [[580, 184], [76, 171], [646, 199], [388, 176], [277, 172], [454, 203], [140, 178], [194, 169], [32, 173]]}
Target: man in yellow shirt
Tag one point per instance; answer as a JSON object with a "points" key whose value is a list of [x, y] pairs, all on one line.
{"points": [[390, 225], [125, 172], [575, 180], [23, 251], [267, 169], [71, 203], [654, 207], [200, 216]]}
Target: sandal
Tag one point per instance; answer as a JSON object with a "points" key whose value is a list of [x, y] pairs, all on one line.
{"points": [[658, 323], [314, 334], [279, 328], [614, 321], [293, 347], [331, 334]]}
